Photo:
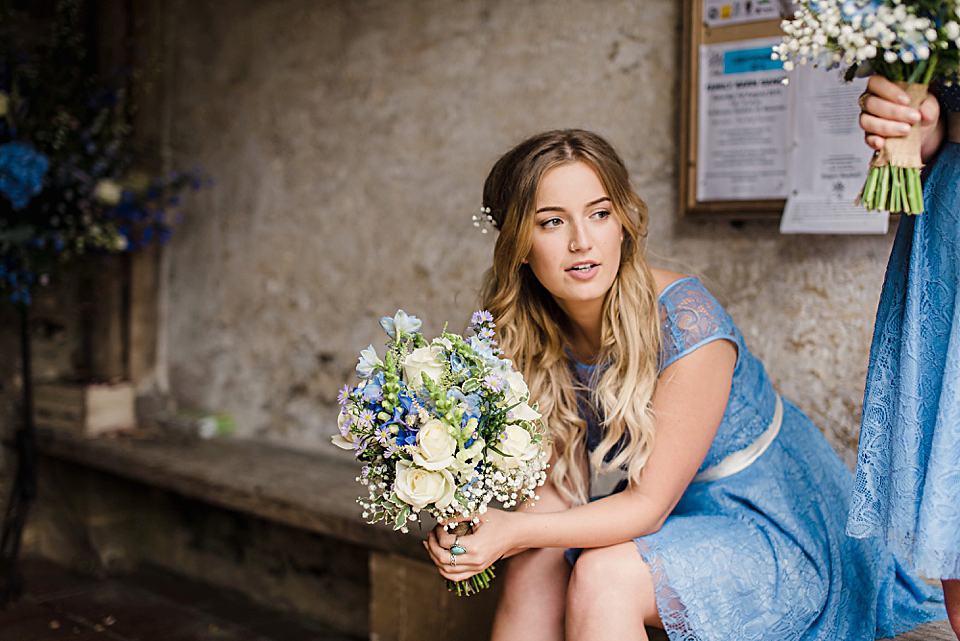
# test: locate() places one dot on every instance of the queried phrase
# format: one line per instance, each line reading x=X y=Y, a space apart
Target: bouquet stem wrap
x=893 y=183
x=475 y=583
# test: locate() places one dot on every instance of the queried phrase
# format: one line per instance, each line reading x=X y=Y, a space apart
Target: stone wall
x=349 y=140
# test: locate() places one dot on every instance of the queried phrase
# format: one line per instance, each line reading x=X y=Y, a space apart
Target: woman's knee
x=611 y=577
x=535 y=572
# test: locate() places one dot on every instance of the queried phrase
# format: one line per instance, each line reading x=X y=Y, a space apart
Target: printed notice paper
x=723 y=12
x=744 y=134
x=828 y=158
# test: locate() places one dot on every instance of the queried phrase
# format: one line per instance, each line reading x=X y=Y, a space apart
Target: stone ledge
x=305 y=490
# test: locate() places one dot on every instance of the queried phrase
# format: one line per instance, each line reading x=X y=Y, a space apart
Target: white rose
x=524 y=412
x=423 y=360
x=516 y=446
x=435 y=447
x=420 y=488
x=343 y=439
x=517 y=394
x=516 y=391
x=341 y=442
x=108 y=192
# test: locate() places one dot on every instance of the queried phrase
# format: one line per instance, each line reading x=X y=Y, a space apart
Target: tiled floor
x=148 y=605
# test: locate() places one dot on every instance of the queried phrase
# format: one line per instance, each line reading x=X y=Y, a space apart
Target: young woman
x=730 y=524
x=908 y=462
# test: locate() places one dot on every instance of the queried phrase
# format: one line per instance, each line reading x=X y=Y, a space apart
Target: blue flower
x=400 y=324
x=22 y=170
x=369 y=361
x=374 y=388
x=471 y=402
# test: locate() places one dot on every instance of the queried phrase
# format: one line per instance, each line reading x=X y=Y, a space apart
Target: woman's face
x=575 y=251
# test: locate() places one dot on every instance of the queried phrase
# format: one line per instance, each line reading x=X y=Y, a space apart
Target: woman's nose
x=579 y=238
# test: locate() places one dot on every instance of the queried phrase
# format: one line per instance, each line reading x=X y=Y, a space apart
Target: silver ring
x=453 y=559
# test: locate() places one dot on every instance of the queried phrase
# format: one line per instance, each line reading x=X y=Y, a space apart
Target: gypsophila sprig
x=443 y=427
x=911 y=42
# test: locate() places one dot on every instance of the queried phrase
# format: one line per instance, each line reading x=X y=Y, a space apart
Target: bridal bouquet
x=443 y=427
x=910 y=42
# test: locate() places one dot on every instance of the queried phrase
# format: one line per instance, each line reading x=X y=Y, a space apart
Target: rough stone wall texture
x=349 y=140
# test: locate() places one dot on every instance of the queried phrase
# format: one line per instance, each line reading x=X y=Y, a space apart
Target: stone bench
x=139 y=500
x=131 y=500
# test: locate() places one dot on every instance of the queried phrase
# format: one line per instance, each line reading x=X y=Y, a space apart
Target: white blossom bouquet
x=443 y=427
x=910 y=42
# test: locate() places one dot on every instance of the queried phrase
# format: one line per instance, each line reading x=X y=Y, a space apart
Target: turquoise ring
x=456 y=549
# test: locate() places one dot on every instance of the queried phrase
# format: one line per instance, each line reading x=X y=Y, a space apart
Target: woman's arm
x=689 y=403
x=887 y=114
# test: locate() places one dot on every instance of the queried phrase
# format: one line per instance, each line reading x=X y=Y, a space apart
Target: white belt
x=741 y=459
x=953 y=126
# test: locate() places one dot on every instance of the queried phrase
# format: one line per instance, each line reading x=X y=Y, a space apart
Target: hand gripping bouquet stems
x=910 y=42
x=443 y=427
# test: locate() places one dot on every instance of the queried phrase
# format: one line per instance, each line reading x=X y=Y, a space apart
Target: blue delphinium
x=22 y=170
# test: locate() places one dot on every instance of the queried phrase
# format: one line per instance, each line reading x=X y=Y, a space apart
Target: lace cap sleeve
x=691 y=317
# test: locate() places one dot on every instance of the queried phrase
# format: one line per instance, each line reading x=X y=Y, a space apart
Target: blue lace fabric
x=761 y=555
x=908 y=460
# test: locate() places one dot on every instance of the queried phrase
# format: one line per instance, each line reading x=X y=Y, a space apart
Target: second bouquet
x=444 y=427
x=910 y=42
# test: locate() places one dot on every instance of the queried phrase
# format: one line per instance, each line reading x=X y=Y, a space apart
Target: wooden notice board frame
x=695 y=33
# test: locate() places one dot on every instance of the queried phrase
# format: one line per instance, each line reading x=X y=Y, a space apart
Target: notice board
x=735 y=116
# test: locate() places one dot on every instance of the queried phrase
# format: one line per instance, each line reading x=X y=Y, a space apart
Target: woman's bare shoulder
x=664 y=277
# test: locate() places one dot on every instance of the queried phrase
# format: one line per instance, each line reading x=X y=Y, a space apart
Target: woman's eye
x=603 y=213
x=550 y=222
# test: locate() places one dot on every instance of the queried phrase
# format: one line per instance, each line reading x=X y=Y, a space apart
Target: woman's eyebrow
x=589 y=204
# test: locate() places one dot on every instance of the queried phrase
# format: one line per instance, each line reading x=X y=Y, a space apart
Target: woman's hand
x=489 y=541
x=886 y=113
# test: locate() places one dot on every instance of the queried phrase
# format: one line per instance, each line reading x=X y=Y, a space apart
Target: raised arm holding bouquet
x=910 y=43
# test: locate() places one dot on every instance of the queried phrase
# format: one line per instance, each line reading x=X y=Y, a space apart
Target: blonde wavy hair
x=530 y=323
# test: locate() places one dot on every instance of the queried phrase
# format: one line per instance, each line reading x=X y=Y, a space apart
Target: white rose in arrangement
x=420 y=488
x=435 y=447
x=340 y=439
x=423 y=360
x=517 y=446
x=517 y=392
x=108 y=192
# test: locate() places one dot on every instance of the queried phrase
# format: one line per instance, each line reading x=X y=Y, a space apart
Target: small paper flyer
x=829 y=160
x=744 y=113
x=718 y=13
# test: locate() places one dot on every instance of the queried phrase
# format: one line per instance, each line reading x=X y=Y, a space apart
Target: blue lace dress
x=761 y=554
x=908 y=462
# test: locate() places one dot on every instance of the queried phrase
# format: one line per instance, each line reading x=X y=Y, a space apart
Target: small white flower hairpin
x=484 y=219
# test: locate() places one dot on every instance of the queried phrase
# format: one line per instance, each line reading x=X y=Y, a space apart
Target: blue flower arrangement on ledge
x=67 y=183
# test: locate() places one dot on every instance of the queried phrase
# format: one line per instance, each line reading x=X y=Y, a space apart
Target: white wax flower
x=435 y=447
x=423 y=360
x=420 y=488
